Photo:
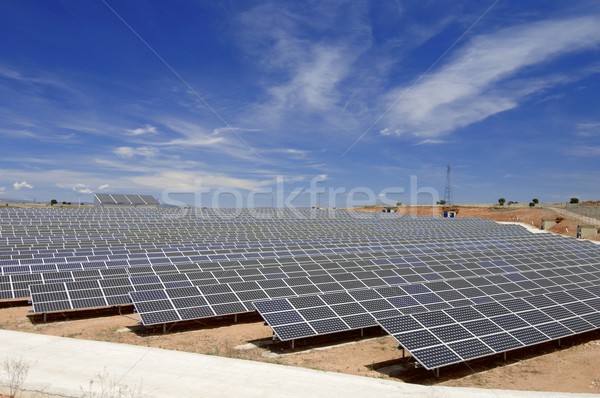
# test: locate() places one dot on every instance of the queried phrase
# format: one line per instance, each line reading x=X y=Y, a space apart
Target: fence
x=585 y=214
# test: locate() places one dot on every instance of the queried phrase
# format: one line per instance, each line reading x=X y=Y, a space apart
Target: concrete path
x=64 y=366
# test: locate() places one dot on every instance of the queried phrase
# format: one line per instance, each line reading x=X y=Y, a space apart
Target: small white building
x=547 y=224
x=586 y=231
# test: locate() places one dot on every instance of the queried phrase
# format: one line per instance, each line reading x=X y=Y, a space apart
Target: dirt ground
x=572 y=366
x=526 y=215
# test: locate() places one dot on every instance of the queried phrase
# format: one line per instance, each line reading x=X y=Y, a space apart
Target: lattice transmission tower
x=448 y=191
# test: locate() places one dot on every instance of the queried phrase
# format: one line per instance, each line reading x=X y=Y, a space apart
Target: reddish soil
x=530 y=216
x=571 y=367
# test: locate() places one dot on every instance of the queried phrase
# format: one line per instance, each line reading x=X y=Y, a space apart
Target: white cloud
x=388 y=131
x=103 y=187
x=82 y=188
x=475 y=83
x=225 y=139
x=430 y=141
x=193 y=135
x=2 y=189
x=305 y=79
x=129 y=152
x=292 y=152
x=189 y=181
x=223 y=130
x=23 y=184
x=314 y=81
x=143 y=130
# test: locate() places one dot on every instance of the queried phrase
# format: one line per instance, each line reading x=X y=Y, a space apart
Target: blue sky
x=245 y=96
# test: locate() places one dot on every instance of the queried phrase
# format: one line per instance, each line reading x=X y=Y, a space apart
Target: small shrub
x=16 y=372
x=103 y=386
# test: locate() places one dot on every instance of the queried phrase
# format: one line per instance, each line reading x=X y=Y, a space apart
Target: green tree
x=531 y=204
x=441 y=202
x=574 y=200
x=398 y=203
x=501 y=201
x=53 y=202
x=535 y=201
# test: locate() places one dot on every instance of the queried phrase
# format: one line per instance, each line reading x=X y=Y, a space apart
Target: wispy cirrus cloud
x=190 y=135
x=587 y=129
x=303 y=78
x=191 y=181
x=476 y=83
x=32 y=78
x=128 y=152
x=312 y=85
x=584 y=151
x=431 y=141
x=289 y=152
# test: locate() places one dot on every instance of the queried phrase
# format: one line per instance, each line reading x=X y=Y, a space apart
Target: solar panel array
x=122 y=199
x=307 y=272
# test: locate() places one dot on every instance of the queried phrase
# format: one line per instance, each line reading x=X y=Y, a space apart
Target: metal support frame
x=405 y=359
x=293 y=341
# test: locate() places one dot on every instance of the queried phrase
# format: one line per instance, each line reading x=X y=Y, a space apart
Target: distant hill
x=7 y=200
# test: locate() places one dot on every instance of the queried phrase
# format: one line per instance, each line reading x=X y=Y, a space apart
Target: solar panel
x=105 y=198
x=473 y=336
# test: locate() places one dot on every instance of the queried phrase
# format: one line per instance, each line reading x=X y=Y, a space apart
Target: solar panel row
x=362 y=308
x=189 y=254
x=115 y=199
x=445 y=337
